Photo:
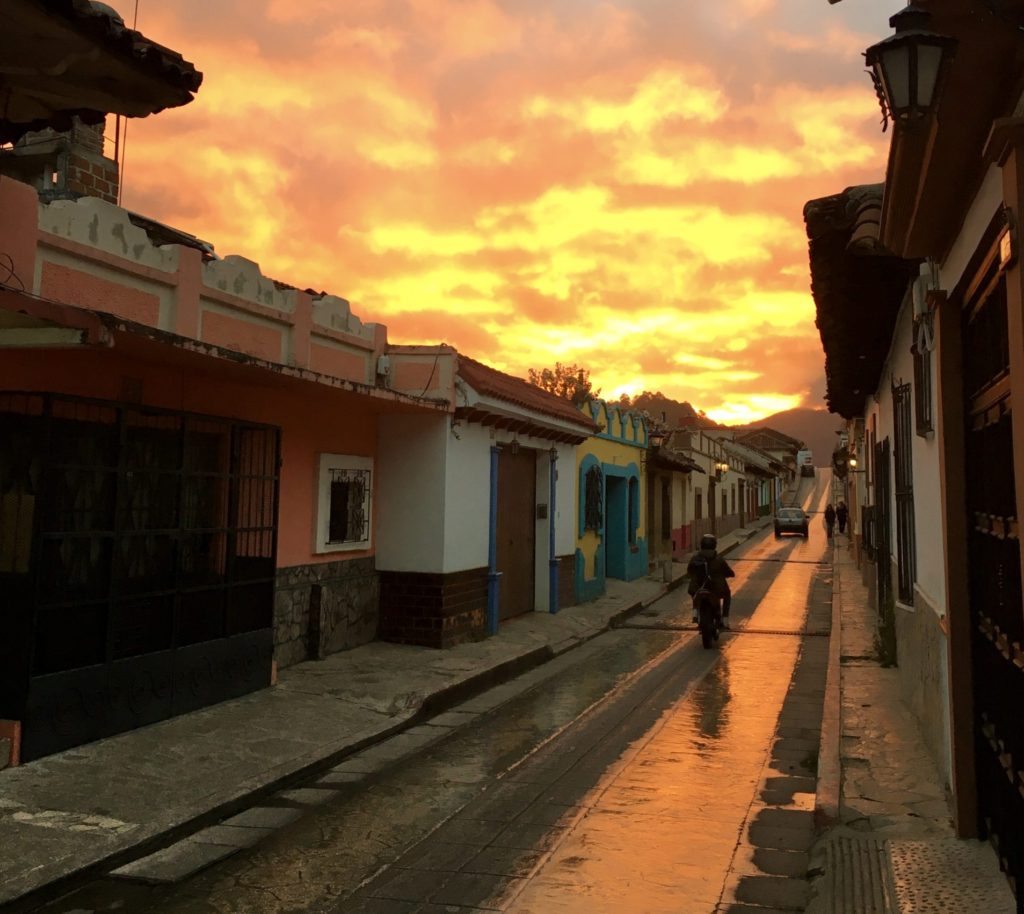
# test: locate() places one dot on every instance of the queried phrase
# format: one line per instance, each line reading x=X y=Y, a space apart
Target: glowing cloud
x=620 y=188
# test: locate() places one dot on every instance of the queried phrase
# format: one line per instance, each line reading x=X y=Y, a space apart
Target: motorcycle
x=709 y=614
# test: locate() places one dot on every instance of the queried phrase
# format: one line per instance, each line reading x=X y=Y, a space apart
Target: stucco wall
x=609 y=455
x=411 y=502
x=466 y=487
x=89 y=254
x=312 y=421
x=984 y=206
x=920 y=641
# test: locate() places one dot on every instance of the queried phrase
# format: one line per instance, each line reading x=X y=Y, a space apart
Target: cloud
x=617 y=184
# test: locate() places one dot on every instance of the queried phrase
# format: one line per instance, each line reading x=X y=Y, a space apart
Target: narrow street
x=637 y=773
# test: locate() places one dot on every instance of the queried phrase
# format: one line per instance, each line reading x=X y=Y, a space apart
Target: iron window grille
x=906 y=547
x=344 y=496
x=150 y=529
x=349 y=511
x=923 y=396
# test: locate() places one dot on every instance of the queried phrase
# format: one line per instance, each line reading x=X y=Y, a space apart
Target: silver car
x=790 y=520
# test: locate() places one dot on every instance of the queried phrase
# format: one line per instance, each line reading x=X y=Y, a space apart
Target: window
x=592 y=499
x=922 y=352
x=698 y=504
x=725 y=503
x=733 y=490
x=906 y=549
x=343 y=503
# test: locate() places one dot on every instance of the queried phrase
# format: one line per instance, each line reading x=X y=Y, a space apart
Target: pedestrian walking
x=830 y=520
x=842 y=512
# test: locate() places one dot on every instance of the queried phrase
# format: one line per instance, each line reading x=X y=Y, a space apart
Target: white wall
x=410 y=497
x=467 y=487
x=979 y=215
x=566 y=492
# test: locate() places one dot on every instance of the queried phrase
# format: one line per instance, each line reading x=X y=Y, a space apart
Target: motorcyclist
x=708 y=565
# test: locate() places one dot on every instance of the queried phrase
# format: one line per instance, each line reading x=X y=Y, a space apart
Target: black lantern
x=656 y=439
x=907 y=67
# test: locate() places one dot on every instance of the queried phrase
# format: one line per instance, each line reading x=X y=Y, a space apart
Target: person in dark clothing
x=830 y=520
x=708 y=565
x=842 y=512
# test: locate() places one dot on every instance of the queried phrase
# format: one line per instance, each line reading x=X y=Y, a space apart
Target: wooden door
x=516 y=533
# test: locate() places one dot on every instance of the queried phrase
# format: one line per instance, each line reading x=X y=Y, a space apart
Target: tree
x=567 y=381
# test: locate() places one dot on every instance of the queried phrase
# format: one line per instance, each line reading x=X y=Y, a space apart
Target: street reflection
x=710 y=708
x=661 y=830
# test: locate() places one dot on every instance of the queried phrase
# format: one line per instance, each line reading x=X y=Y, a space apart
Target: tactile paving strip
x=945 y=874
x=859 y=878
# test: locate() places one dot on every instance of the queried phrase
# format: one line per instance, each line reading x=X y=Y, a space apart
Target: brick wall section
x=433 y=610
x=324 y=608
x=566 y=581
x=92 y=174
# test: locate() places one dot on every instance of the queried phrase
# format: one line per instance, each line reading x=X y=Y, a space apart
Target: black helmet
x=709 y=541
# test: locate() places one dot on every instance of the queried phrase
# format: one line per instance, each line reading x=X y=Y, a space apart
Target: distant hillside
x=666 y=410
x=815 y=427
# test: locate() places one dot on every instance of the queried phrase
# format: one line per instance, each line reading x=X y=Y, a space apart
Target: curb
x=829 y=790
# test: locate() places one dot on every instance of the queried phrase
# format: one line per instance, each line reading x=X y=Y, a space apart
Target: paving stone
x=308 y=796
x=527 y=836
x=454 y=718
x=503 y=861
x=367 y=904
x=789 y=839
x=231 y=835
x=408 y=884
x=468 y=831
x=264 y=817
x=770 y=891
x=551 y=814
x=434 y=855
x=475 y=890
x=174 y=863
x=338 y=780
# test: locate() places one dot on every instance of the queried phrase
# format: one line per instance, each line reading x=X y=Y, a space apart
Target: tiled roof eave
x=857 y=289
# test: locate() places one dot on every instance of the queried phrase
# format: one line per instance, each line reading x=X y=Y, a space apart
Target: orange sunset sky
x=617 y=184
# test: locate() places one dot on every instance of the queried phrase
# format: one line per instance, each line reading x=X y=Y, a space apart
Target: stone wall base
x=921 y=646
x=323 y=608
x=433 y=610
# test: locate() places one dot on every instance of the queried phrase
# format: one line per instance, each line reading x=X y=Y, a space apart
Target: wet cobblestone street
x=636 y=773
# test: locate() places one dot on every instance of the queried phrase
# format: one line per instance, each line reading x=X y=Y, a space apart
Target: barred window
x=922 y=352
x=344 y=500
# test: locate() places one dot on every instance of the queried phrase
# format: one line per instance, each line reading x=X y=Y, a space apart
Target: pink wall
x=19 y=221
x=65 y=284
x=242 y=335
x=312 y=419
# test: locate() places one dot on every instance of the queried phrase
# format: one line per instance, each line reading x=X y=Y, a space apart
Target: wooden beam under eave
x=43 y=338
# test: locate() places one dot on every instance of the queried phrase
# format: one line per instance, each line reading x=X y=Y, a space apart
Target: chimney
x=64 y=165
x=89 y=173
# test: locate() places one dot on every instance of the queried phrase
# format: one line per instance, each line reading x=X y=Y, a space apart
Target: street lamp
x=656 y=439
x=906 y=67
x=721 y=468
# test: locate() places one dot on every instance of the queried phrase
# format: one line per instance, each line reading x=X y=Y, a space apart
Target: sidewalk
x=889 y=847
x=71 y=816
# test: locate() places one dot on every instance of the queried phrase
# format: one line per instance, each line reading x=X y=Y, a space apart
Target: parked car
x=791 y=520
